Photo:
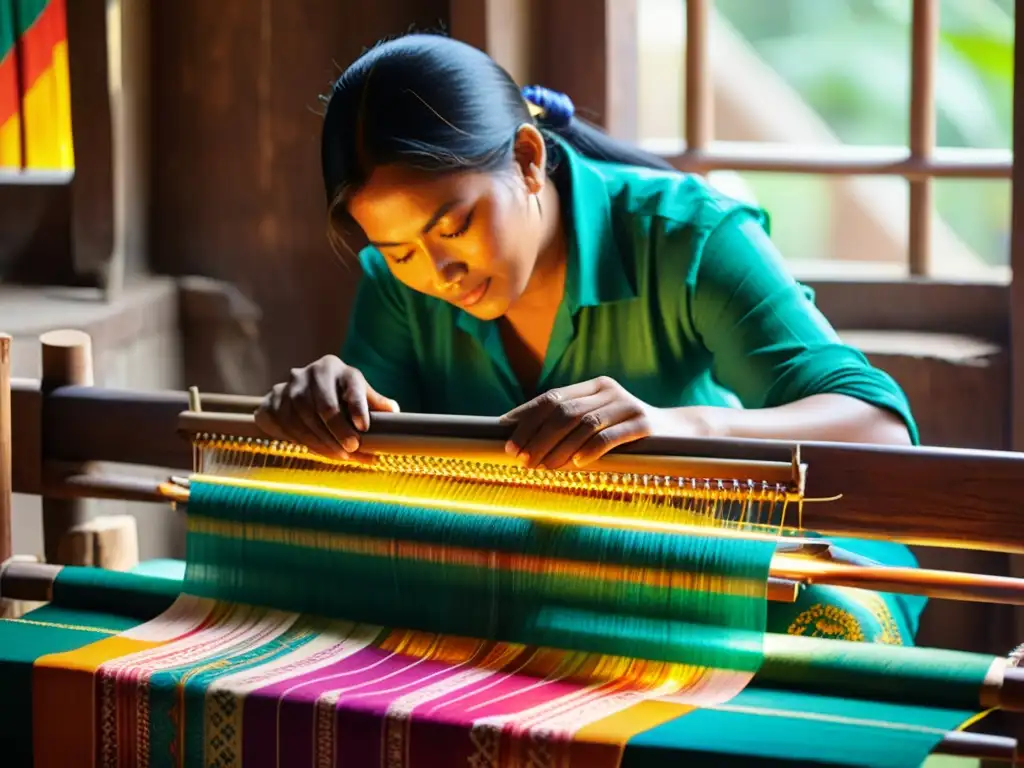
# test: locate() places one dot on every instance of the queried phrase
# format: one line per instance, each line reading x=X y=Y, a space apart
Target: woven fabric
x=217 y=684
x=313 y=630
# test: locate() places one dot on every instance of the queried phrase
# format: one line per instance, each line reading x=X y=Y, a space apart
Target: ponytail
x=556 y=113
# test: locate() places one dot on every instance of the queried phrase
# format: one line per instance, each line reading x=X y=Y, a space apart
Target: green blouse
x=672 y=289
x=677 y=292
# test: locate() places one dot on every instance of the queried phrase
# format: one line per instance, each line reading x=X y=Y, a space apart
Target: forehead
x=395 y=199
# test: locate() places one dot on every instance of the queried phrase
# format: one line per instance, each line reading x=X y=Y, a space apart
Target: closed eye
x=462 y=230
x=403 y=259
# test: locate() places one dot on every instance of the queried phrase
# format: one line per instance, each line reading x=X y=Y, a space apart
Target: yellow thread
x=232 y=452
x=56 y=625
x=691 y=527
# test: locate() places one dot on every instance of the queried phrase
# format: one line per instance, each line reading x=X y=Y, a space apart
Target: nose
x=448 y=273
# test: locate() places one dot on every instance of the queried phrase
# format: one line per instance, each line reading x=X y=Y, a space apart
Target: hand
x=324 y=406
x=579 y=423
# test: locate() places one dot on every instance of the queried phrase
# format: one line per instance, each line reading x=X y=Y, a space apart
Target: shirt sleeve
x=769 y=343
x=379 y=341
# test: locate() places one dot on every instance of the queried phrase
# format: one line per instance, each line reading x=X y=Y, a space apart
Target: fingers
x=378 y=402
x=575 y=424
x=299 y=413
x=265 y=415
x=541 y=429
x=596 y=433
x=324 y=406
x=599 y=443
x=551 y=397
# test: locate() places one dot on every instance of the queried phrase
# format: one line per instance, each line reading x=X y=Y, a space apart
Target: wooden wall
x=236 y=192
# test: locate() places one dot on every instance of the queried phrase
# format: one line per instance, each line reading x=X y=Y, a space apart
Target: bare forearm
x=828 y=418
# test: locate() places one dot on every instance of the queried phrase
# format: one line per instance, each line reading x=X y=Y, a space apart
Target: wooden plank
x=588 y=50
x=1017 y=250
x=26 y=436
x=6 y=485
x=84 y=424
x=229 y=63
x=1017 y=292
x=93 y=187
x=502 y=28
x=924 y=305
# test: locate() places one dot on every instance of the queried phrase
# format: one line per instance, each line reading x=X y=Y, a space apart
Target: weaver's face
x=468 y=238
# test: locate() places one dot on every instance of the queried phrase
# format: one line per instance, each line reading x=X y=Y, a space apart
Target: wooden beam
x=1017 y=251
x=924 y=61
x=92 y=190
x=501 y=28
x=945 y=163
x=588 y=49
x=6 y=484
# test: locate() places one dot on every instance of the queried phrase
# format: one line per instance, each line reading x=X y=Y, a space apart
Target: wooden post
x=6 y=483
x=66 y=360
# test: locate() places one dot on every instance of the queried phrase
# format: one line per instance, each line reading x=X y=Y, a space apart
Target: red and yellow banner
x=35 y=93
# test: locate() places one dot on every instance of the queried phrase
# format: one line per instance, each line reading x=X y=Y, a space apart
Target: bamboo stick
x=947 y=585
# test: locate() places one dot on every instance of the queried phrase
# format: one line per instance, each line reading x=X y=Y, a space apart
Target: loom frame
x=62 y=430
x=969 y=494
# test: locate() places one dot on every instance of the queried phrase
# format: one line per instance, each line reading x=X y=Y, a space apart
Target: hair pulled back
x=427 y=102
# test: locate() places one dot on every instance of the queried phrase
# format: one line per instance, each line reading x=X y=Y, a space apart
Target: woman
x=580 y=288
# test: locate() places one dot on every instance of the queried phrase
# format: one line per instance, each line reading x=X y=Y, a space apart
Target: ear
x=531 y=157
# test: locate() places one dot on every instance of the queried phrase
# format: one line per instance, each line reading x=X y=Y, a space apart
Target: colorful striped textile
x=35 y=94
x=88 y=680
x=314 y=628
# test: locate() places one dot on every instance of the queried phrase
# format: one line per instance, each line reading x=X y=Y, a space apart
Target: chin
x=488 y=310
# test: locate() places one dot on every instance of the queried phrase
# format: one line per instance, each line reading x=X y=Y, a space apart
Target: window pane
x=661 y=70
x=974 y=79
x=977 y=213
x=858 y=226
x=784 y=71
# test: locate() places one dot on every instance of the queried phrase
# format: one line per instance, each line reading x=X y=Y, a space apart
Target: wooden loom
x=62 y=426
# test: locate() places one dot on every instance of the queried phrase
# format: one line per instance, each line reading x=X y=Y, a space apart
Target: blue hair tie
x=557 y=108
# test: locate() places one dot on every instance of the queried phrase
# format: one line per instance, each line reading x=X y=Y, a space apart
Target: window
x=888 y=155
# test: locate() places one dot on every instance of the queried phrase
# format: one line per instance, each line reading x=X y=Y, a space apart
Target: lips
x=474 y=296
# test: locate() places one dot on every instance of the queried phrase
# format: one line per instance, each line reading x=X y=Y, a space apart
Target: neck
x=548 y=276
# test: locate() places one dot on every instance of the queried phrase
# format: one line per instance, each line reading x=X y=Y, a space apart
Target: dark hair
x=429 y=102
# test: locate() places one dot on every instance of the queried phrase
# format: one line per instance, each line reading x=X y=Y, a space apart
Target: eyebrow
x=438 y=215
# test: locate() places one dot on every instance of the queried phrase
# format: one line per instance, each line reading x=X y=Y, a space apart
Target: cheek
x=509 y=240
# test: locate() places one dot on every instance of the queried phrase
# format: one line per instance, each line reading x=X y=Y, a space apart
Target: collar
x=597 y=271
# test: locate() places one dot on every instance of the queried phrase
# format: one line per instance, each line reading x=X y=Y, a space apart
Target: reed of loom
x=71 y=411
